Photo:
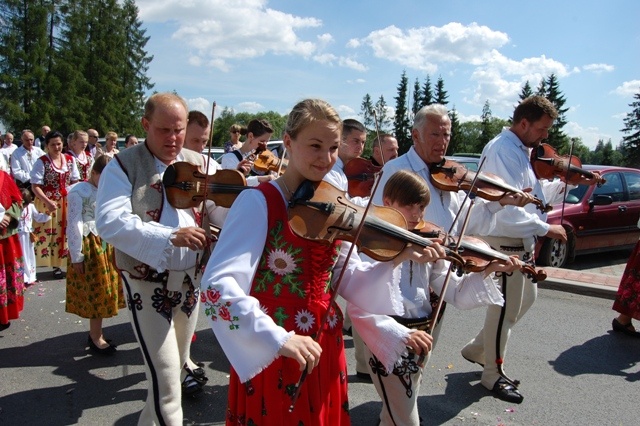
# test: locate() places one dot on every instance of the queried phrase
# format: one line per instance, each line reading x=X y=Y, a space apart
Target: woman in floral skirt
x=51 y=177
x=94 y=289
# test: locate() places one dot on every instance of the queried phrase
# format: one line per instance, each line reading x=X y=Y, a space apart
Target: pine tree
x=366 y=108
x=427 y=93
x=23 y=62
x=526 y=91
x=557 y=138
x=382 y=115
x=631 y=140
x=542 y=88
x=401 y=125
x=441 y=94
x=454 y=142
x=417 y=97
x=134 y=78
x=485 y=133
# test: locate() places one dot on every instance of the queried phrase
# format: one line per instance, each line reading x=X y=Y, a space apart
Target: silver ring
x=307 y=356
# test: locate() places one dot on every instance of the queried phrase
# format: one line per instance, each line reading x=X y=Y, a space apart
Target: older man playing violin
x=156 y=249
x=508 y=156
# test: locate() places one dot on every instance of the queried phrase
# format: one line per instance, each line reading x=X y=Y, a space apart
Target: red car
x=597 y=218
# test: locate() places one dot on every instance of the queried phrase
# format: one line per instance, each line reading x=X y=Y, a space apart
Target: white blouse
x=81 y=213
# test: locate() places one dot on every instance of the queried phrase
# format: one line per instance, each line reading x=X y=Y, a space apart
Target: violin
x=360 y=174
x=477 y=253
x=320 y=211
x=547 y=164
x=267 y=161
x=185 y=185
x=451 y=176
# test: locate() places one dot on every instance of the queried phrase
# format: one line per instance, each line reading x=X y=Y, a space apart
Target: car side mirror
x=600 y=200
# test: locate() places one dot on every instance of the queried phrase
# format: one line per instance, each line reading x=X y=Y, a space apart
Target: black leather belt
x=413 y=323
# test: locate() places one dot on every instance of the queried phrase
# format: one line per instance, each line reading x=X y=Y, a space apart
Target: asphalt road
x=574 y=371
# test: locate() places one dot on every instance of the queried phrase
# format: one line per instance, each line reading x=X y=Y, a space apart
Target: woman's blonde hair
x=308 y=111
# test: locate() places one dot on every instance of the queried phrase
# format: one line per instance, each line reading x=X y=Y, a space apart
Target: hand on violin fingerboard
x=421 y=255
x=518 y=199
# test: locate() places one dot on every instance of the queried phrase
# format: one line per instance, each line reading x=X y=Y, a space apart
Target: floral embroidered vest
x=55 y=182
x=84 y=168
x=147 y=195
x=293 y=278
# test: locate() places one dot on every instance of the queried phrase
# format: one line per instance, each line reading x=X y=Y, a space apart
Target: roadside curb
x=577 y=287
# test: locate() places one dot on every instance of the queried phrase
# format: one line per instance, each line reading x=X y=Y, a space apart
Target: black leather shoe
x=506 y=391
x=365 y=377
x=191 y=386
x=627 y=329
x=109 y=350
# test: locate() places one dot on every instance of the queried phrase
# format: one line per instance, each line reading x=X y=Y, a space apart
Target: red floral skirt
x=11 y=279
x=628 y=298
x=265 y=399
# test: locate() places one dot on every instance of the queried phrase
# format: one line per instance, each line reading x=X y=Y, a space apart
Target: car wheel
x=554 y=253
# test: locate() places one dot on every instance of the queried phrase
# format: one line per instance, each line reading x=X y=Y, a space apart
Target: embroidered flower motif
x=213 y=295
x=304 y=320
x=281 y=262
x=332 y=321
x=224 y=313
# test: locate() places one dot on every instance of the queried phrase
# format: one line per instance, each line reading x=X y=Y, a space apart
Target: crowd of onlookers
x=48 y=186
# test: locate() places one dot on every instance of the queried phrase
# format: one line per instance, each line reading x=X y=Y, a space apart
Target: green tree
x=382 y=115
x=23 y=63
x=427 y=93
x=455 y=132
x=526 y=91
x=557 y=138
x=631 y=140
x=401 y=125
x=468 y=136
x=441 y=94
x=366 y=108
x=417 y=97
x=485 y=133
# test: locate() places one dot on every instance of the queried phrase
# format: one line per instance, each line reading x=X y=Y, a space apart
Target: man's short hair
x=349 y=125
x=434 y=110
x=533 y=109
x=165 y=98
x=199 y=118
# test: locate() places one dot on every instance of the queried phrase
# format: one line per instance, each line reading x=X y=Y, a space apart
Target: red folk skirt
x=628 y=298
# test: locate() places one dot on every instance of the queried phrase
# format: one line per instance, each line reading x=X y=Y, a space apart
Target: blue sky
x=258 y=55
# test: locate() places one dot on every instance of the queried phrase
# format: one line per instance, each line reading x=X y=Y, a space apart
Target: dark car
x=597 y=218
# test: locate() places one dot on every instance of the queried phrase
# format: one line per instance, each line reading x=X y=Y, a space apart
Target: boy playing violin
x=394 y=343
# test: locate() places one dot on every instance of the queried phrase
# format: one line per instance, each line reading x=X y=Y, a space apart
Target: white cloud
x=628 y=88
x=325 y=58
x=342 y=61
x=357 y=81
x=250 y=106
x=598 y=68
x=225 y=30
x=423 y=48
x=589 y=135
x=199 y=104
x=353 y=43
x=351 y=63
x=346 y=112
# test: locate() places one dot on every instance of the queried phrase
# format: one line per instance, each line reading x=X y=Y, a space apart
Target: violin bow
x=436 y=313
x=203 y=210
x=334 y=293
x=566 y=182
x=375 y=122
